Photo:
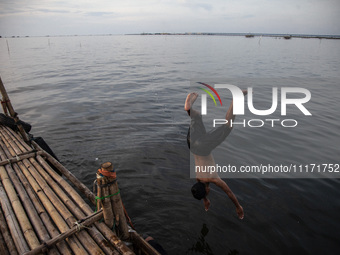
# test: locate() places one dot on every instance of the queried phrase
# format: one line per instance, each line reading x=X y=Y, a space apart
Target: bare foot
x=189 y=101
x=240 y=213
x=206 y=202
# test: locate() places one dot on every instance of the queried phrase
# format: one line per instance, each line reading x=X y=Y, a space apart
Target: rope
x=127 y=217
x=110 y=174
x=100 y=198
x=107 y=184
x=80 y=226
x=5 y=101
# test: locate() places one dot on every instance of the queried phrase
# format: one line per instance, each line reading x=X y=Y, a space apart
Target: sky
x=91 y=17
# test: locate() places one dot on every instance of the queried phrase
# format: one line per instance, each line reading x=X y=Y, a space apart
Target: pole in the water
x=14 y=115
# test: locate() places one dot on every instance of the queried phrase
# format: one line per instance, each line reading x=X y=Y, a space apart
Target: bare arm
x=221 y=184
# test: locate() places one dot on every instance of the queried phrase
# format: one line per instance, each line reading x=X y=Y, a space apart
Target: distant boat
x=249 y=35
x=287 y=37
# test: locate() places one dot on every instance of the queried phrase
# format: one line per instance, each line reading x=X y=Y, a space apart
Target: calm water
x=120 y=99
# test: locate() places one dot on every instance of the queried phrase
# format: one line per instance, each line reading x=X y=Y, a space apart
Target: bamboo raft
x=41 y=211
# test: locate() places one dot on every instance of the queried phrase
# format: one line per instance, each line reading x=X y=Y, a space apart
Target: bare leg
x=189 y=101
x=230 y=115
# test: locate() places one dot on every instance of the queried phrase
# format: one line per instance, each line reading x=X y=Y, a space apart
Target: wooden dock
x=42 y=211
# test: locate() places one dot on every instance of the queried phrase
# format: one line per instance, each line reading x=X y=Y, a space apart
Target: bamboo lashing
x=19 y=158
x=67 y=201
x=78 y=226
x=103 y=228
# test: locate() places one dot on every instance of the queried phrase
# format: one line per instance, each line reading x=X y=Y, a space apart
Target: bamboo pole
x=19 y=211
x=89 y=221
x=103 y=192
x=102 y=227
x=21 y=143
x=3 y=247
x=77 y=212
x=79 y=202
x=13 y=225
x=137 y=239
x=62 y=246
x=9 y=247
x=118 y=210
x=30 y=209
x=87 y=242
x=28 y=205
x=142 y=245
x=18 y=158
x=18 y=138
x=84 y=237
x=99 y=204
x=58 y=220
x=119 y=245
x=107 y=182
x=85 y=207
x=67 y=174
x=7 y=102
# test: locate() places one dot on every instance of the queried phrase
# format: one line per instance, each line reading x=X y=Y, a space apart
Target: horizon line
x=249 y=34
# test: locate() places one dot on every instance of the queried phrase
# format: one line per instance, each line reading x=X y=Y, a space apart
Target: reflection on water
x=203 y=247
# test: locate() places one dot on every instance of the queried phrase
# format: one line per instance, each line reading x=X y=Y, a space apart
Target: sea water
x=120 y=99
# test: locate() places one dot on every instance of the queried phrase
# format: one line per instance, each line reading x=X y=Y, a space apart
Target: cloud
x=99 y=14
x=52 y=11
x=197 y=6
x=135 y=16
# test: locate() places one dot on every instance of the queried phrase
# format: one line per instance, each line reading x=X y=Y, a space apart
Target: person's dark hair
x=198 y=190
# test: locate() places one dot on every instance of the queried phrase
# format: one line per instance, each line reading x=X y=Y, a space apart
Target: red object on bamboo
x=107 y=170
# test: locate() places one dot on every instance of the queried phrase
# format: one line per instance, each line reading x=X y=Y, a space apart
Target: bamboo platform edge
x=48 y=214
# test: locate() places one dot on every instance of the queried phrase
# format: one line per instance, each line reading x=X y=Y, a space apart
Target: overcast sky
x=83 y=17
